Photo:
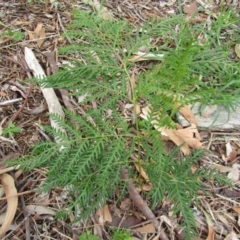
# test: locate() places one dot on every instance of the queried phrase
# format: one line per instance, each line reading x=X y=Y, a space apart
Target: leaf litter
x=42 y=38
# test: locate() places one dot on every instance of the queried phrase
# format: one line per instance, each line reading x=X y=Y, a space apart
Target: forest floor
x=39 y=26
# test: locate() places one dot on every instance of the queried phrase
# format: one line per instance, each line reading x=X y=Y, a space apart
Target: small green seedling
x=121 y=234
x=14 y=35
x=88 y=236
x=10 y=130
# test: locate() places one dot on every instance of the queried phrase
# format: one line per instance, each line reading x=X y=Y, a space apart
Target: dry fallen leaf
x=141 y=171
x=210 y=233
x=231 y=153
x=125 y=204
x=237 y=50
x=191 y=9
x=149 y=228
x=39 y=32
x=188 y=114
x=237 y=209
x=103 y=215
x=12 y=201
x=3 y=94
x=210 y=226
x=173 y=136
x=191 y=136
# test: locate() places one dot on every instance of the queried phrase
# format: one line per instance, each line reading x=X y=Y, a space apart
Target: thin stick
x=21 y=108
x=142 y=206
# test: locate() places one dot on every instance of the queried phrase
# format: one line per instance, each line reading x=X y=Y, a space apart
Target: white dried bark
x=52 y=101
x=215 y=118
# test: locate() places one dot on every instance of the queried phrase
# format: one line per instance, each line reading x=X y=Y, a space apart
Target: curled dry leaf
x=39 y=32
x=12 y=201
x=173 y=136
x=230 y=152
x=237 y=209
x=103 y=215
x=146 y=187
x=15 y=89
x=4 y=170
x=125 y=204
x=210 y=226
x=188 y=114
x=191 y=136
x=3 y=94
x=141 y=171
x=191 y=9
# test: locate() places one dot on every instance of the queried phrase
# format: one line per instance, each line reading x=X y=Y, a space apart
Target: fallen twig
x=142 y=206
x=21 y=108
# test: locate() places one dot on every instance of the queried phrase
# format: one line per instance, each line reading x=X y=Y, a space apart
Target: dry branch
x=142 y=206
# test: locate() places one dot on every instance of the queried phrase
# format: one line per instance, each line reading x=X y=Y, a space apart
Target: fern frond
x=89 y=156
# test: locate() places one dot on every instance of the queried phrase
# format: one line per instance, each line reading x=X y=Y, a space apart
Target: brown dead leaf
x=3 y=94
x=39 y=32
x=236 y=209
x=232 y=156
x=146 y=187
x=125 y=204
x=191 y=9
x=103 y=215
x=230 y=152
x=149 y=228
x=188 y=115
x=191 y=136
x=210 y=224
x=173 y=136
x=210 y=233
x=12 y=201
x=141 y=171
x=131 y=84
